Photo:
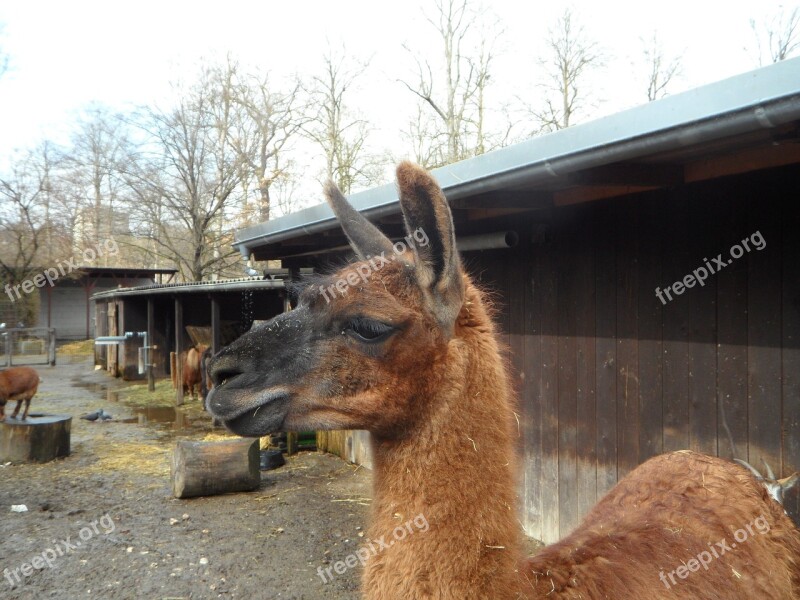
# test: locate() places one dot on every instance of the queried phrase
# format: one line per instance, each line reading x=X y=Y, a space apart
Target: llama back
x=682 y=525
x=16 y=382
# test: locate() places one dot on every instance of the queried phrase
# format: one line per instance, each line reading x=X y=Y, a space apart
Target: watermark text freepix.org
x=373 y=547
x=59 y=549
x=715 y=550
x=62 y=269
x=700 y=274
x=363 y=271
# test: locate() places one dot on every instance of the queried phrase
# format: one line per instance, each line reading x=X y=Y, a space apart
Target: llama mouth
x=261 y=421
x=249 y=414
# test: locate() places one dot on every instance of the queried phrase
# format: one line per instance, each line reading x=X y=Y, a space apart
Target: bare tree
x=185 y=176
x=460 y=108
x=777 y=37
x=335 y=129
x=3 y=56
x=266 y=121
x=23 y=229
x=660 y=69
x=99 y=148
x=428 y=143
x=571 y=55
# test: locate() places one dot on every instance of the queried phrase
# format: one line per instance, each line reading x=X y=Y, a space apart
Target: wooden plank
x=518 y=263
x=606 y=349
x=627 y=217
x=651 y=226
x=704 y=244
x=565 y=259
x=630 y=173
x=586 y=490
x=548 y=392
x=530 y=399
x=750 y=159
x=580 y=194
x=500 y=284
x=675 y=360
x=764 y=269
x=790 y=343
x=531 y=200
x=732 y=333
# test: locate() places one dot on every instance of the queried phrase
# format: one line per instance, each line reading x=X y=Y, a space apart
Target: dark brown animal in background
x=411 y=354
x=20 y=384
x=192 y=371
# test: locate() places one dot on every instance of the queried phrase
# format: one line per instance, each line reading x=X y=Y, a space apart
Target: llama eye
x=368 y=330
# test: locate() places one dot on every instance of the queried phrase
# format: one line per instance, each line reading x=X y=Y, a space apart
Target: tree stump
x=39 y=438
x=210 y=468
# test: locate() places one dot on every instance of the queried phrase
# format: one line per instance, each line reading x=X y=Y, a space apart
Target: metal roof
x=755 y=101
x=224 y=285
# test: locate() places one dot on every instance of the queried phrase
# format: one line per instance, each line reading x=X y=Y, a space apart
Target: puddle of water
x=175 y=420
x=161 y=416
x=87 y=385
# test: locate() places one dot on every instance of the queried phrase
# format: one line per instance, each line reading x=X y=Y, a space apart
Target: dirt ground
x=107 y=524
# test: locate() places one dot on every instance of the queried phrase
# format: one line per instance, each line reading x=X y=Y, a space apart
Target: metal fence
x=27 y=346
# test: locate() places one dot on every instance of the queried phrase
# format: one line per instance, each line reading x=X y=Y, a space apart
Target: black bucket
x=271 y=459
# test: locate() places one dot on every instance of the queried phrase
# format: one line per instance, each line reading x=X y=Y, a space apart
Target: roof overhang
x=747 y=122
x=198 y=287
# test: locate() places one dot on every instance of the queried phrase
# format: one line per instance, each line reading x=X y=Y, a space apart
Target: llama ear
x=788 y=483
x=366 y=239
x=429 y=224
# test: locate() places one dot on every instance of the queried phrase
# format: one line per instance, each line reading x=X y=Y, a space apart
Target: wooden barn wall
x=608 y=376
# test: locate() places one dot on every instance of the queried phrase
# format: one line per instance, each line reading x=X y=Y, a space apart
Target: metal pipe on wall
x=488 y=241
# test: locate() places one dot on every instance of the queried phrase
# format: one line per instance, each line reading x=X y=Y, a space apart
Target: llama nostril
x=223 y=368
x=221 y=377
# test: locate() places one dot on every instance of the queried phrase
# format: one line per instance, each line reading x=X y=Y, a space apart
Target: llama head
x=361 y=348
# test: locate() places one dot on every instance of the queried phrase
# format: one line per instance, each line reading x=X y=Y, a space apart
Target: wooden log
x=210 y=468
x=39 y=438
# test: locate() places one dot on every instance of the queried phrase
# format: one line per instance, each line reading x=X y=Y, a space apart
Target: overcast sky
x=67 y=54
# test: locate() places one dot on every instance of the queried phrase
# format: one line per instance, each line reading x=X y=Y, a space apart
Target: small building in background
x=178 y=316
x=68 y=306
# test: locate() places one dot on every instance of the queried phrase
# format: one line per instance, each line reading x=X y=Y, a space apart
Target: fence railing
x=27 y=346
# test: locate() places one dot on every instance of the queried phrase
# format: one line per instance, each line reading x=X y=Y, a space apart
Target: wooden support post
x=322 y=441
x=151 y=380
x=291 y=443
x=9 y=347
x=209 y=468
x=178 y=350
x=173 y=369
x=216 y=328
x=51 y=351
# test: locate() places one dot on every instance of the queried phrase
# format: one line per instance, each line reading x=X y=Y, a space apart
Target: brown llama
x=192 y=371
x=20 y=384
x=402 y=343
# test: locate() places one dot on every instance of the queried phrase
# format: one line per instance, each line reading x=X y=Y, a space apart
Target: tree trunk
x=39 y=438
x=210 y=468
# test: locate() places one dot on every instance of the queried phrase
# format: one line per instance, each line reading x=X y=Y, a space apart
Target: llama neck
x=450 y=485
